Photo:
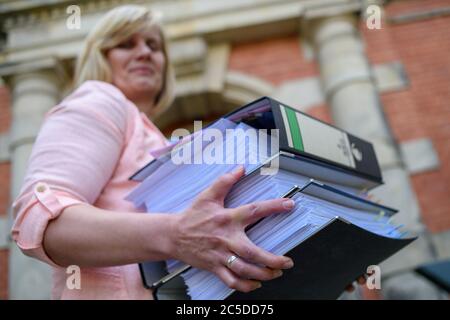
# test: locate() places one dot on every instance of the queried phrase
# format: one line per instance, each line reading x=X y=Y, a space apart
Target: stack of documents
x=180 y=182
x=327 y=214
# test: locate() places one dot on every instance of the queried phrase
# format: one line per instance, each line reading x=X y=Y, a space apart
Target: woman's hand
x=361 y=281
x=206 y=235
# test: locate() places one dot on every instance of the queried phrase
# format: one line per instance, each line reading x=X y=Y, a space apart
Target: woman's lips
x=142 y=70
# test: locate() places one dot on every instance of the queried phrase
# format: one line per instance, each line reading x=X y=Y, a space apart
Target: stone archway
x=207 y=106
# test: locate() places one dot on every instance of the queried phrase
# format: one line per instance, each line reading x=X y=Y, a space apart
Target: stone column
x=33 y=94
x=351 y=93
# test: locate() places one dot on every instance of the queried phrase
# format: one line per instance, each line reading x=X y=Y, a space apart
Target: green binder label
x=309 y=135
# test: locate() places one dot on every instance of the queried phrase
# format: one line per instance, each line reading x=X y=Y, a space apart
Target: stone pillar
x=351 y=93
x=33 y=94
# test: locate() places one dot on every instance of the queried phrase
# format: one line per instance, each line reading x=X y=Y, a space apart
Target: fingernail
x=258 y=285
x=288 y=264
x=277 y=273
x=288 y=204
x=238 y=169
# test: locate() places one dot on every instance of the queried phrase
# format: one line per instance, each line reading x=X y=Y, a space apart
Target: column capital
x=323 y=28
x=35 y=88
x=43 y=66
x=319 y=29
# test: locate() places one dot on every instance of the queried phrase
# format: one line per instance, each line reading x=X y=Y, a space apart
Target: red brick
x=274 y=60
x=4 y=186
x=5 y=110
x=419 y=111
x=5 y=120
x=422 y=109
x=321 y=112
x=414 y=6
x=4 y=274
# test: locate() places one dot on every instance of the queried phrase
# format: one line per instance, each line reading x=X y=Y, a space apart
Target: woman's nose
x=143 y=49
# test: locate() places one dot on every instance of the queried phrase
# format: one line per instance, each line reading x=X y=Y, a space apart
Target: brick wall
x=4 y=274
x=5 y=120
x=423 y=109
x=274 y=60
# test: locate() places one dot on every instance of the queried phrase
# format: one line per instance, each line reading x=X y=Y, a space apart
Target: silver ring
x=230 y=260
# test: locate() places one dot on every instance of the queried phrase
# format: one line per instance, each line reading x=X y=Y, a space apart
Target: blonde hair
x=116 y=26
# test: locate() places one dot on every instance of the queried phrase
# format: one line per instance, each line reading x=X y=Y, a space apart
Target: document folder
x=309 y=137
x=327 y=262
x=317 y=143
x=324 y=264
x=330 y=168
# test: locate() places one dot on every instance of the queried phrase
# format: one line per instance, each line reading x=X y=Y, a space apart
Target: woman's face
x=137 y=66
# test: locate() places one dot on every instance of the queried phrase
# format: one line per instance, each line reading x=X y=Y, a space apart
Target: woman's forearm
x=91 y=237
x=204 y=236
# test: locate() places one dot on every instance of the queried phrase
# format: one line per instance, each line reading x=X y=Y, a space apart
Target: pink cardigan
x=87 y=148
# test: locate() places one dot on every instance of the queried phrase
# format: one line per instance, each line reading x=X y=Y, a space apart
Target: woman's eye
x=126 y=45
x=155 y=46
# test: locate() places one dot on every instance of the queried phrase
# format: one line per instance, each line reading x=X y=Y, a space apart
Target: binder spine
x=306 y=136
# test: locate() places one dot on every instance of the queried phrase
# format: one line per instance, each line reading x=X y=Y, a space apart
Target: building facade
x=378 y=69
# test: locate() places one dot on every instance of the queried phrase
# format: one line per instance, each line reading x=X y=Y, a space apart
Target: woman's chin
x=144 y=86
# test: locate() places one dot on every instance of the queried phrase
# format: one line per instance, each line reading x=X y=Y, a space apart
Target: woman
x=71 y=211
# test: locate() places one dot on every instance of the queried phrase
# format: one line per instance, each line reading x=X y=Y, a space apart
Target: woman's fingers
x=234 y=282
x=246 y=270
x=362 y=280
x=253 y=212
x=256 y=255
x=220 y=188
x=254 y=264
x=350 y=288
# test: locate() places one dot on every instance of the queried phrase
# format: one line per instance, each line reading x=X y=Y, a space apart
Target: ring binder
x=310 y=187
x=156 y=285
x=333 y=228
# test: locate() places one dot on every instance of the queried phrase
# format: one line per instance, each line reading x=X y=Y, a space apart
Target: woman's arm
x=91 y=237
x=204 y=236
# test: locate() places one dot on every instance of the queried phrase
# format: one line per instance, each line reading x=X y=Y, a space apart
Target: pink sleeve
x=73 y=158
